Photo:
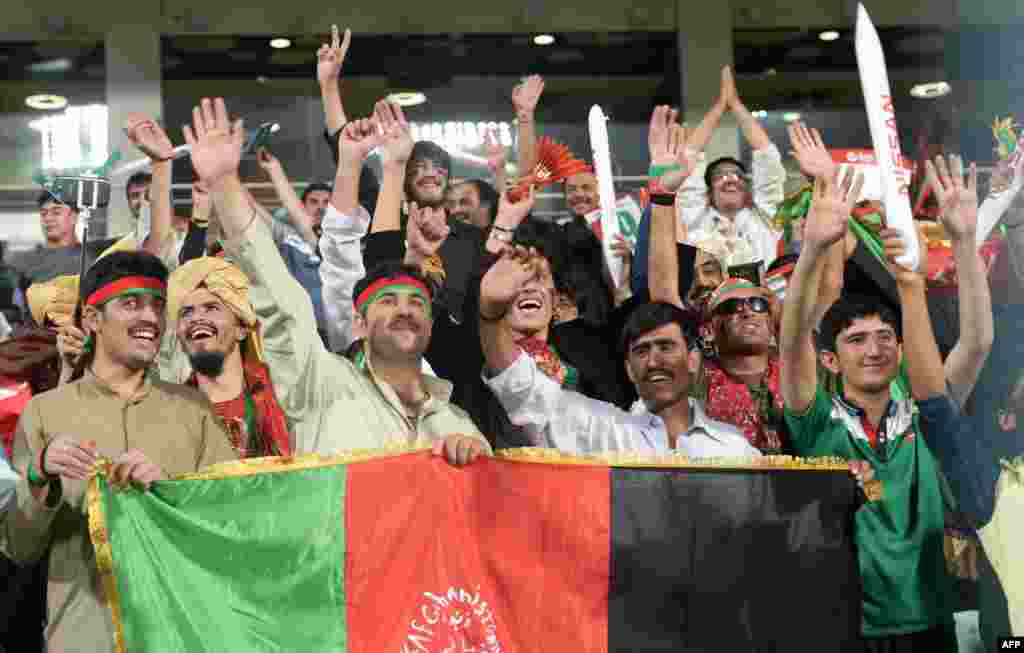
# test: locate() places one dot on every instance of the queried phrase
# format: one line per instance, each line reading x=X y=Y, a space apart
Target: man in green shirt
x=907 y=594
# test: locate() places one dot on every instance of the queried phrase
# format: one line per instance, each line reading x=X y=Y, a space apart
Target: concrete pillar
x=705 y=45
x=133 y=85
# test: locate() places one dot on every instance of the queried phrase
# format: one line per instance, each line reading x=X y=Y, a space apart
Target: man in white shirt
x=658 y=347
x=721 y=206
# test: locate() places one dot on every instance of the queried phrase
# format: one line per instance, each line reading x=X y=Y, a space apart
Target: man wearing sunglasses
x=740 y=382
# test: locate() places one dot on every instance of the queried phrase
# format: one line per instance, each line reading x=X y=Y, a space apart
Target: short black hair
x=710 y=171
x=119 y=265
x=390 y=270
x=654 y=315
x=314 y=187
x=138 y=179
x=849 y=308
x=48 y=196
x=488 y=196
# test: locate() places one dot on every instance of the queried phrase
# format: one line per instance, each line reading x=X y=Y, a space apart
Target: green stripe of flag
x=212 y=564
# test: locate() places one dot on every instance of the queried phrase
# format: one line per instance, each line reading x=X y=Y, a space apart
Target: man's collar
x=101 y=387
x=438 y=389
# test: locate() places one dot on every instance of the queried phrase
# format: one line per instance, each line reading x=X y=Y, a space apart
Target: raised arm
x=826 y=225
x=297 y=214
x=752 y=130
x=343 y=227
x=701 y=136
x=958 y=204
x=510 y=216
x=670 y=166
x=496 y=159
x=328 y=74
x=815 y=162
x=524 y=98
x=920 y=351
x=306 y=375
x=149 y=137
x=396 y=149
x=499 y=287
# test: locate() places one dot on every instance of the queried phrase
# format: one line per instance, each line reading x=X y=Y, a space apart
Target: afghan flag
x=531 y=551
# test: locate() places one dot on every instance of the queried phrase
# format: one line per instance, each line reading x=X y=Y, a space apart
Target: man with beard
x=217 y=328
x=718 y=203
x=331 y=403
x=419 y=172
x=115 y=411
x=908 y=596
x=473 y=202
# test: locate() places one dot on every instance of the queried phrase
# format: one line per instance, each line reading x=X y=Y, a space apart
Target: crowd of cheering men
x=405 y=308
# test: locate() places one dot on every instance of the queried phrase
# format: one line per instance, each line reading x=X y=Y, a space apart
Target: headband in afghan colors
x=133 y=285
x=381 y=286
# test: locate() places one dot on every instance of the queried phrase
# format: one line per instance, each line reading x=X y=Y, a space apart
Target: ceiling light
x=543 y=39
x=280 y=43
x=760 y=113
x=407 y=98
x=931 y=90
x=50 y=66
x=46 y=102
x=791 y=116
x=829 y=35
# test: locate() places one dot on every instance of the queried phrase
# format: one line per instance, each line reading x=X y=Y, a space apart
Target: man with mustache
x=718 y=203
x=331 y=403
x=217 y=328
x=116 y=410
x=474 y=202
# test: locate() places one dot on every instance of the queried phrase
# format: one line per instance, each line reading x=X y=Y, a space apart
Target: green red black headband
x=388 y=284
x=134 y=285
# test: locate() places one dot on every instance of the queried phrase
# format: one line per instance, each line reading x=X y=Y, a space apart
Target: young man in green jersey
x=907 y=594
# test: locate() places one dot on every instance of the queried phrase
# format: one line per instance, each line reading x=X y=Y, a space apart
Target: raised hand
x=496 y=155
x=727 y=93
x=358 y=139
x=148 y=137
x=427 y=230
x=511 y=214
x=831 y=205
x=958 y=202
x=666 y=142
x=516 y=267
x=267 y=161
x=216 y=142
x=894 y=246
x=810 y=151
x=397 y=143
x=526 y=94
x=329 y=58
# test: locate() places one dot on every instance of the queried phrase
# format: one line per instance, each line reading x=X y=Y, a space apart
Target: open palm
x=958 y=202
x=148 y=136
x=216 y=141
x=526 y=95
x=830 y=209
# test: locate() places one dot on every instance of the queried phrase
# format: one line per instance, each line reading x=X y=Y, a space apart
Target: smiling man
x=117 y=411
x=908 y=595
x=217 y=328
x=516 y=293
x=62 y=251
